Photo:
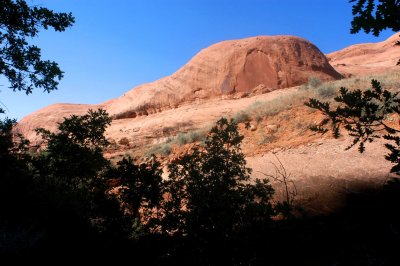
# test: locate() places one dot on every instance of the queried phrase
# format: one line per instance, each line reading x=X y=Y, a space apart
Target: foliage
x=161 y=149
x=210 y=190
x=15 y=178
x=375 y=16
x=364 y=115
x=386 y=16
x=241 y=117
x=326 y=91
x=313 y=82
x=70 y=175
x=11 y=144
x=140 y=189
x=75 y=151
x=20 y=62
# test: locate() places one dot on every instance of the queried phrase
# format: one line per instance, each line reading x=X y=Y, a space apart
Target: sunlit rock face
x=229 y=69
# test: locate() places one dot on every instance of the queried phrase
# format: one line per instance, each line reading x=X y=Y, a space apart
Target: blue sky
x=116 y=45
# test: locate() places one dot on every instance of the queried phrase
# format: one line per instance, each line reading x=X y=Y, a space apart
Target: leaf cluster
x=375 y=16
x=141 y=189
x=21 y=62
x=210 y=189
x=363 y=114
x=76 y=149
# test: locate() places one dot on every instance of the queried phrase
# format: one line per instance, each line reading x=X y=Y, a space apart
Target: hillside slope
x=230 y=69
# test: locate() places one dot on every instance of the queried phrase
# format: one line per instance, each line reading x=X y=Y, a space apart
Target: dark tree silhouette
x=20 y=62
x=76 y=150
x=210 y=189
x=141 y=191
x=364 y=115
x=375 y=16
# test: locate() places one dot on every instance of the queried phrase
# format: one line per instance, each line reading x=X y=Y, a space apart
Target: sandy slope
x=229 y=69
x=212 y=85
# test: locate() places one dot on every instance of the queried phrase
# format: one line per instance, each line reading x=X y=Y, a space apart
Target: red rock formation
x=232 y=69
x=227 y=68
x=368 y=58
x=49 y=116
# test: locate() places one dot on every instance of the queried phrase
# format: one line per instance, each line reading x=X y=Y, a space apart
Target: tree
x=370 y=16
x=141 y=190
x=364 y=115
x=75 y=152
x=15 y=177
x=375 y=16
x=70 y=172
x=20 y=62
x=210 y=189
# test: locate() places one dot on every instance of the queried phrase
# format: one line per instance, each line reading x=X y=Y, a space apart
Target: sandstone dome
x=226 y=68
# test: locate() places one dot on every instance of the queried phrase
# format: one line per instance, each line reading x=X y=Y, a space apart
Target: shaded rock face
x=230 y=69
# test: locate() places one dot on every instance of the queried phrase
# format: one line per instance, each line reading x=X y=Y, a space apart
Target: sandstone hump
x=226 y=70
x=367 y=58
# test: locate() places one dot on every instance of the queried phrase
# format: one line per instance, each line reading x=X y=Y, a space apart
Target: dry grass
x=283 y=105
x=180 y=139
x=323 y=91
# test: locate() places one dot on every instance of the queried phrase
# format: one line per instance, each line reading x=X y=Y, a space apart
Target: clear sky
x=116 y=45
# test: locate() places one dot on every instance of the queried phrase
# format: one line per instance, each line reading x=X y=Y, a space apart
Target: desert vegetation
x=65 y=199
x=55 y=203
x=316 y=89
x=272 y=120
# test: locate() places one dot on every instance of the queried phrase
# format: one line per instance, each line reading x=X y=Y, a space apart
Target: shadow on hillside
x=364 y=231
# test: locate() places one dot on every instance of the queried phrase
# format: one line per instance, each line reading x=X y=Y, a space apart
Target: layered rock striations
x=229 y=69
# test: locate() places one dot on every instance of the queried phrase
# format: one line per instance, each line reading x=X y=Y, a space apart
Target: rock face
x=368 y=58
x=230 y=69
x=49 y=116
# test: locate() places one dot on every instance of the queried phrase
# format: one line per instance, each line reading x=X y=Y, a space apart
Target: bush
x=124 y=141
x=189 y=137
x=326 y=91
x=211 y=192
x=313 y=82
x=241 y=117
x=161 y=149
x=182 y=139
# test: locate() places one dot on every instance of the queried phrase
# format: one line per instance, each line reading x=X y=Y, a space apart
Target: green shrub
x=313 y=82
x=195 y=136
x=160 y=149
x=190 y=137
x=241 y=117
x=213 y=192
x=182 y=139
x=326 y=91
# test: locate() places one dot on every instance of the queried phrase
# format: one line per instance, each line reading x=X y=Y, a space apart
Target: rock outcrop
x=230 y=69
x=367 y=58
x=49 y=116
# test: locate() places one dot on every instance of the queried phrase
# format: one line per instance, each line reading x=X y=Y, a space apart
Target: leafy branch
x=363 y=114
